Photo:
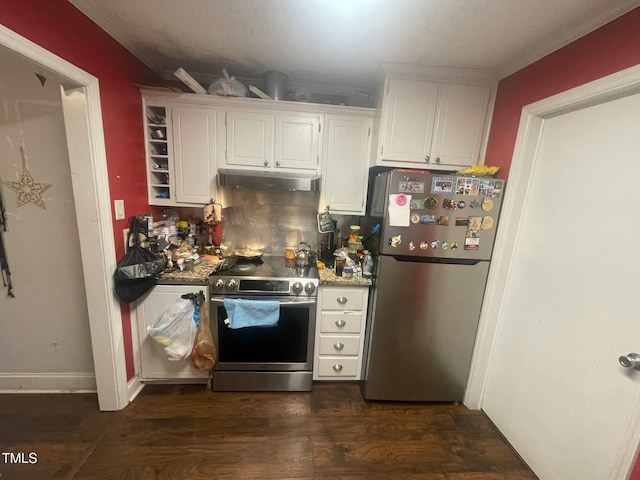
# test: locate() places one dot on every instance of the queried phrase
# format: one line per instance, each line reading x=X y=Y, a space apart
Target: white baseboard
x=47 y=382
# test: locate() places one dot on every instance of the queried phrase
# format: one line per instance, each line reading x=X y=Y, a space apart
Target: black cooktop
x=266 y=267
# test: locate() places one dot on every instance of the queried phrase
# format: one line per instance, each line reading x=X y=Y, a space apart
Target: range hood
x=305 y=182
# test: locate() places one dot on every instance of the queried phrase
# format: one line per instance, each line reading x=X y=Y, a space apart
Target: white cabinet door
x=432 y=124
x=297 y=141
x=410 y=114
x=154 y=364
x=460 y=121
x=194 y=149
x=347 y=147
x=249 y=138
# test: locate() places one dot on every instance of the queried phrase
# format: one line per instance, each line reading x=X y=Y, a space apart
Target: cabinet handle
x=266 y=163
x=340 y=323
x=337 y=367
x=427 y=158
x=338 y=346
x=342 y=300
x=437 y=159
x=277 y=163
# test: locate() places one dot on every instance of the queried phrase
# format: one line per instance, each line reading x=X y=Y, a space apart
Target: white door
x=297 y=142
x=408 y=128
x=249 y=139
x=194 y=151
x=347 y=147
x=571 y=301
x=459 y=126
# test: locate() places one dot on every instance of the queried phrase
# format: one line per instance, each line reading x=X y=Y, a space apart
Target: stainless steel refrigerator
x=434 y=235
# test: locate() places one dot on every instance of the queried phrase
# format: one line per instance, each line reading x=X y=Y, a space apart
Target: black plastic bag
x=138 y=271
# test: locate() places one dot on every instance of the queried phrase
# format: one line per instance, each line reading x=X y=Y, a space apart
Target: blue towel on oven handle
x=243 y=313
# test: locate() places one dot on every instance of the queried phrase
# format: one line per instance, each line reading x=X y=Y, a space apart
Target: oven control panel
x=294 y=287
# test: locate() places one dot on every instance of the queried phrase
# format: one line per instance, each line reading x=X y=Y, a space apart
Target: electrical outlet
x=119 y=207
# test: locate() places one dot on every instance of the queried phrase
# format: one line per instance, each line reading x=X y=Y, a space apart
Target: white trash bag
x=175 y=329
x=228 y=86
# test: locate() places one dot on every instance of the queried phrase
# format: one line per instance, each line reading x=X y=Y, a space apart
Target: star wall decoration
x=26 y=188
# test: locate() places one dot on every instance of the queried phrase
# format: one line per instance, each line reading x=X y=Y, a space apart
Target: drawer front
x=339 y=345
x=342 y=299
x=337 y=367
x=339 y=322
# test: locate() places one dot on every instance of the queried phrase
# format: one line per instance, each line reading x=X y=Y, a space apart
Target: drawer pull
x=342 y=300
x=338 y=346
x=337 y=367
x=340 y=323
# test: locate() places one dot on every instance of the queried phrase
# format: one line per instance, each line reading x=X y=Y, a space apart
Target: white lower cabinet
x=339 y=342
x=154 y=364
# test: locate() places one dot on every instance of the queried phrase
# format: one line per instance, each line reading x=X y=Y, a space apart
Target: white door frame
x=617 y=85
x=93 y=210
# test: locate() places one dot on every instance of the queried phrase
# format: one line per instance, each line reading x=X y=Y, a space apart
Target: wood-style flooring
x=189 y=432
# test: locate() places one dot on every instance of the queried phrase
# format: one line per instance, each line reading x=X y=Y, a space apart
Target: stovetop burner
x=266 y=268
x=268 y=275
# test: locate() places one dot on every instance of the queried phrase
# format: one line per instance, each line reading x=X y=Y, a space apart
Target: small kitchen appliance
x=260 y=358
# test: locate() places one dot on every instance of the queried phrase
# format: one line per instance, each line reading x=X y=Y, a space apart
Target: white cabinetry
x=249 y=139
x=189 y=136
x=297 y=141
x=194 y=151
x=272 y=140
x=182 y=144
x=347 y=146
x=339 y=342
x=432 y=123
x=159 y=158
x=154 y=364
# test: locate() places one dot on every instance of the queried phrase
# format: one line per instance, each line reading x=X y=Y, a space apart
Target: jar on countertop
x=354 y=234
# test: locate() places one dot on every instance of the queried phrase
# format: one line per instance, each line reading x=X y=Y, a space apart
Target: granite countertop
x=328 y=277
x=199 y=274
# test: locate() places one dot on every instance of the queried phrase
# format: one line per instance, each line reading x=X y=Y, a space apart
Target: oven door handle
x=305 y=302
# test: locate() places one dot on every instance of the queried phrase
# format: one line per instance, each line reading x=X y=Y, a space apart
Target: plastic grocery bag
x=175 y=329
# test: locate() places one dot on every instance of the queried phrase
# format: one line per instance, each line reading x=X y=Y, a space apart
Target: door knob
x=632 y=360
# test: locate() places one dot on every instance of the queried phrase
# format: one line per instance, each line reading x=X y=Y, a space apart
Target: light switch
x=119 y=207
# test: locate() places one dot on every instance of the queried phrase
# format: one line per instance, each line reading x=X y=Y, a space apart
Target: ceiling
x=338 y=45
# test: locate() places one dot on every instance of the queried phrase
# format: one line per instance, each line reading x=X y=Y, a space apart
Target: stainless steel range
x=265 y=358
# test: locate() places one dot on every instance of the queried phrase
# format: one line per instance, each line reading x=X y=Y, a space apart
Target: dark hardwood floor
x=188 y=432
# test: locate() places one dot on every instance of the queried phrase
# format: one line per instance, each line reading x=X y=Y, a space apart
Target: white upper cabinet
x=194 y=152
x=188 y=137
x=436 y=122
x=297 y=141
x=273 y=140
x=347 y=146
x=410 y=118
x=250 y=135
x=462 y=110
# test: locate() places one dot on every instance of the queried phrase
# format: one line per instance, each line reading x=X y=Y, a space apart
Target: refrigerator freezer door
x=437 y=216
x=421 y=330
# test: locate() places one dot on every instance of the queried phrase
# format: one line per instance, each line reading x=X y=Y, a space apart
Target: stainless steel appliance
x=436 y=235
x=259 y=358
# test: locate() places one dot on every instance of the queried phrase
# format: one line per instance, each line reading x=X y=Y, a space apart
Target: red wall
x=59 y=27
x=609 y=49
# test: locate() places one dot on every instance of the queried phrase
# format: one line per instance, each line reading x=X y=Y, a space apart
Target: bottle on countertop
x=367 y=265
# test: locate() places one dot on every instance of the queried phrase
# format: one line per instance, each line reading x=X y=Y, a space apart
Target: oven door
x=287 y=346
